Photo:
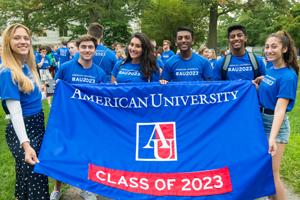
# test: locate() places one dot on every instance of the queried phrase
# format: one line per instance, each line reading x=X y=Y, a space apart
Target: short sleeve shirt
x=278 y=83
x=128 y=73
x=31 y=103
x=196 y=68
x=73 y=72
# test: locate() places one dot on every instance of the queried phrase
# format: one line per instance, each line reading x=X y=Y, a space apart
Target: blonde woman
x=212 y=57
x=21 y=99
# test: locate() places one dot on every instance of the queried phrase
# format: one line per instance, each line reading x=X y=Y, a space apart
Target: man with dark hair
x=104 y=57
x=167 y=53
x=186 y=66
x=236 y=27
x=239 y=63
x=81 y=70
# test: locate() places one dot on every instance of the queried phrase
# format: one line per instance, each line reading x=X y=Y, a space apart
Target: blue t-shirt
x=73 y=72
x=239 y=68
x=160 y=63
x=120 y=59
x=269 y=64
x=130 y=73
x=166 y=55
x=46 y=64
x=278 y=83
x=212 y=63
x=196 y=68
x=105 y=58
x=36 y=54
x=31 y=103
x=56 y=56
x=63 y=55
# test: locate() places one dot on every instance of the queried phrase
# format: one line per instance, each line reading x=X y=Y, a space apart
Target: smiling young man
x=82 y=70
x=239 y=64
x=104 y=57
x=186 y=66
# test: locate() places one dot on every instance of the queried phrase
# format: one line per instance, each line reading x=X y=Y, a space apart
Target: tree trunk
x=213 y=22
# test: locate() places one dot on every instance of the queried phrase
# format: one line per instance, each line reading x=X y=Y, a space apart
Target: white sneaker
x=88 y=195
x=55 y=195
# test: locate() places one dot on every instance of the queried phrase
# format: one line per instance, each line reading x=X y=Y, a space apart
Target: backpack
x=253 y=62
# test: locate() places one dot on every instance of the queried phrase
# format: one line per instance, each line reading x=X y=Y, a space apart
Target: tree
x=68 y=16
x=291 y=23
x=215 y=9
x=23 y=12
x=260 y=19
x=162 y=18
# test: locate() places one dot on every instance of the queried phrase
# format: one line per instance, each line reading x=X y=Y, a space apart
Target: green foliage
x=159 y=18
x=162 y=18
x=68 y=16
x=291 y=23
x=115 y=32
x=262 y=18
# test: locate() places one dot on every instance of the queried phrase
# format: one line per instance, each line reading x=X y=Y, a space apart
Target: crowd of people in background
x=86 y=60
x=50 y=58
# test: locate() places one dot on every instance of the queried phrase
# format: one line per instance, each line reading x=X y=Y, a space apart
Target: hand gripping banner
x=200 y=140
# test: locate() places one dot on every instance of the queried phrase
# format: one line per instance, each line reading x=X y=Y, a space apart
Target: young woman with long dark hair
x=140 y=63
x=277 y=95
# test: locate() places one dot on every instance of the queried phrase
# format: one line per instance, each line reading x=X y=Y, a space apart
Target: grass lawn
x=290 y=166
x=290 y=169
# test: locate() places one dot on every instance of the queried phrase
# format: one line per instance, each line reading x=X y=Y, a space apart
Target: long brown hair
x=290 y=56
x=12 y=62
x=148 y=59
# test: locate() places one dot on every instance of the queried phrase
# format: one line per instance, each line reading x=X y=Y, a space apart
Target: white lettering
x=78 y=93
x=157 y=100
x=160 y=184
x=99 y=177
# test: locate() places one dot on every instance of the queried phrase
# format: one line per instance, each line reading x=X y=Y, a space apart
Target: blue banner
x=149 y=141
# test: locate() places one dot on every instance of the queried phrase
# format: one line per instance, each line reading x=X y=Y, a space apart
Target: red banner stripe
x=201 y=183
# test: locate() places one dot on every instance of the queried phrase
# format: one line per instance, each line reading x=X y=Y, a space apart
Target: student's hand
x=113 y=80
x=30 y=154
x=272 y=146
x=163 y=82
x=257 y=81
x=43 y=54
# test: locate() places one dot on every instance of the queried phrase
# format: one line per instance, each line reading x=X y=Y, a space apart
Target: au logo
x=156 y=141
